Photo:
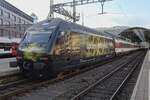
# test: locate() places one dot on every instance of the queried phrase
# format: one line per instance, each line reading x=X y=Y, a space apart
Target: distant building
x=13 y=22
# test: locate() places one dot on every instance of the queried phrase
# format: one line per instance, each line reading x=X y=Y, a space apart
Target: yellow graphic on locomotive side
x=83 y=45
x=95 y=46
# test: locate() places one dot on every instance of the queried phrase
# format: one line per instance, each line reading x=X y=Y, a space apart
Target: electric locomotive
x=53 y=46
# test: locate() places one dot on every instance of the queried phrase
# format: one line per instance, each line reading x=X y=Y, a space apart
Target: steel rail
x=35 y=85
x=82 y=93
x=9 y=75
x=125 y=80
x=7 y=85
x=30 y=86
x=4 y=79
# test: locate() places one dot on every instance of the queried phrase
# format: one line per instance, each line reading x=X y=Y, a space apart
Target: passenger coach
x=5 y=46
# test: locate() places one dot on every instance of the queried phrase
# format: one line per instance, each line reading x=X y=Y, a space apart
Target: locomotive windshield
x=36 y=41
x=37 y=37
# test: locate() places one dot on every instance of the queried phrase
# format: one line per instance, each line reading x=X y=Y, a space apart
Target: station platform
x=141 y=89
x=4 y=67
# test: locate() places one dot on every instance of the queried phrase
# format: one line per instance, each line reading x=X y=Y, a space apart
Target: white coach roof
x=5 y=40
x=16 y=40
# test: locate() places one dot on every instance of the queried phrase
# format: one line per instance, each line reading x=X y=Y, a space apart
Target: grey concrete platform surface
x=141 y=89
x=4 y=67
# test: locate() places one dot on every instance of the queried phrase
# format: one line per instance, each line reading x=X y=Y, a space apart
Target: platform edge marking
x=133 y=96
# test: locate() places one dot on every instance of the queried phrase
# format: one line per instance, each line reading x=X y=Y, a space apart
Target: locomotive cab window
x=36 y=40
x=37 y=37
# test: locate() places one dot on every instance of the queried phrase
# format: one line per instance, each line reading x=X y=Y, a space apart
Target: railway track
x=13 y=88
x=21 y=86
x=108 y=87
x=4 y=79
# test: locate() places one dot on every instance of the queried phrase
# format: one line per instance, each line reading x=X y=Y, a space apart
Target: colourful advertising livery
x=53 y=46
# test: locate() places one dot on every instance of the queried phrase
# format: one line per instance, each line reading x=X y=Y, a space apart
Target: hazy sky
x=120 y=12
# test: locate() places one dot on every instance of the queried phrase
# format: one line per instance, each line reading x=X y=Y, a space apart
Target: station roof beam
x=81 y=2
x=137 y=34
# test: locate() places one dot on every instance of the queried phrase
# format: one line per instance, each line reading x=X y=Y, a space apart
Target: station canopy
x=134 y=34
